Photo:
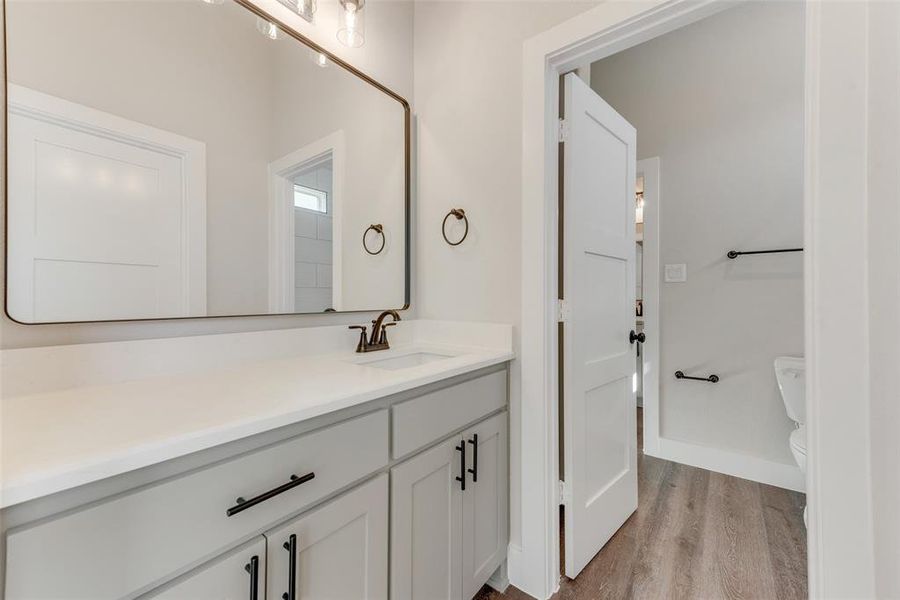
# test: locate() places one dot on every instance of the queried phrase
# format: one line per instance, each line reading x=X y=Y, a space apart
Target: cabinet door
x=336 y=552
x=484 y=503
x=239 y=575
x=426 y=513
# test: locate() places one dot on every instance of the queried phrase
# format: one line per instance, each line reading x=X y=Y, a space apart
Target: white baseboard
x=500 y=579
x=732 y=463
x=527 y=578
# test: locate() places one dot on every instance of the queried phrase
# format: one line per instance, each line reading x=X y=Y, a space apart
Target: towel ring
x=377 y=228
x=459 y=214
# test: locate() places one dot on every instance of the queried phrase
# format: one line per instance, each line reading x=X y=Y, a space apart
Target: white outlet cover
x=676 y=273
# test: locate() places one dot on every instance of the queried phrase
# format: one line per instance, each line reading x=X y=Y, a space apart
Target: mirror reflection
x=185 y=159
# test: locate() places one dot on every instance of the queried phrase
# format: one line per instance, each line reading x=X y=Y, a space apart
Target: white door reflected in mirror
x=143 y=184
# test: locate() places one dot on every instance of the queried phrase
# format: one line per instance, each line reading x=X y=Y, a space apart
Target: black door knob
x=640 y=337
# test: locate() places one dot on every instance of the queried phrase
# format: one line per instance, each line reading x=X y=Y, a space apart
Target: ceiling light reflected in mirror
x=304 y=8
x=352 y=23
x=267 y=28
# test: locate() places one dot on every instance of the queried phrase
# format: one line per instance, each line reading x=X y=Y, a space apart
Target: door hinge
x=563 y=493
x=563 y=130
x=563 y=311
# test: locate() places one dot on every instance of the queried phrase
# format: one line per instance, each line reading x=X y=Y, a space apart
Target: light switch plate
x=676 y=273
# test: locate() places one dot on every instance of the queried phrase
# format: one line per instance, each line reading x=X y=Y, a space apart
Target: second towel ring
x=460 y=214
x=377 y=228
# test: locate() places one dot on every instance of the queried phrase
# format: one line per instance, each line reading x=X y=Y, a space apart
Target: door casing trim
x=588 y=37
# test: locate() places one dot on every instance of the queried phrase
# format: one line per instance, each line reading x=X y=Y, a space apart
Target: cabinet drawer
x=126 y=544
x=422 y=420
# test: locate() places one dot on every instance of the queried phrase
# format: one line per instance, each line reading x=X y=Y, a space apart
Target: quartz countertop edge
x=92 y=433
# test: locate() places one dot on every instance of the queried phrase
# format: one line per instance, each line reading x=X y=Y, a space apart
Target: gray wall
x=884 y=289
x=469 y=105
x=468 y=82
x=721 y=103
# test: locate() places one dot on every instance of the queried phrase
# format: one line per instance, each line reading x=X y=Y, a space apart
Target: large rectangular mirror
x=182 y=158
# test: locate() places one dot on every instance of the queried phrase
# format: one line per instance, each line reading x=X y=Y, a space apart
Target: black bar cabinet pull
x=462 y=465
x=245 y=504
x=732 y=254
x=637 y=337
x=710 y=379
x=291 y=547
x=253 y=568
x=474 y=469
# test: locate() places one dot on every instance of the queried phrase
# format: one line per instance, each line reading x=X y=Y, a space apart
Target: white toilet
x=790 y=372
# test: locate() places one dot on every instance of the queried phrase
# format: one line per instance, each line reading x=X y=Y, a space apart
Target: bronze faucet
x=378 y=340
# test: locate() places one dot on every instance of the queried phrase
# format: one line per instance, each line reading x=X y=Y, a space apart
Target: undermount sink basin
x=405 y=361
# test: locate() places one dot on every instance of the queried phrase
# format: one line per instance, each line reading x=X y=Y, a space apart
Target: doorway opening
x=313 y=196
x=721 y=138
x=305 y=258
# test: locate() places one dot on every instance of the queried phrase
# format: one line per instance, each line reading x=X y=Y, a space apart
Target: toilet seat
x=798 y=446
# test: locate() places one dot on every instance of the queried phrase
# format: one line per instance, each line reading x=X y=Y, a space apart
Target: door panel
x=426 y=513
x=62 y=288
x=228 y=578
x=604 y=417
x=341 y=549
x=600 y=450
x=603 y=278
x=484 y=522
x=101 y=223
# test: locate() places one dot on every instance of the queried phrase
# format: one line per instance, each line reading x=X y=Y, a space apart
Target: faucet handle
x=361 y=346
x=383 y=338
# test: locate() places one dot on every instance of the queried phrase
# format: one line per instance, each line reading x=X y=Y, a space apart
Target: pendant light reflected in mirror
x=352 y=23
x=318 y=58
x=304 y=8
x=267 y=28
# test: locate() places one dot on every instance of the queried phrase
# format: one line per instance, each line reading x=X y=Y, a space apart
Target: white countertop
x=60 y=439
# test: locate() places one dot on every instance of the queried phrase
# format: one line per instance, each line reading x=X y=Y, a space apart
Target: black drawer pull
x=291 y=547
x=253 y=568
x=462 y=465
x=474 y=469
x=245 y=504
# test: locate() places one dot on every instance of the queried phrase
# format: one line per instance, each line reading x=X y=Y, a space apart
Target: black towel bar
x=710 y=379
x=732 y=254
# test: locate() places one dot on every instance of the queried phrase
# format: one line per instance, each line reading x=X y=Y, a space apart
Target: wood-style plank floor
x=696 y=535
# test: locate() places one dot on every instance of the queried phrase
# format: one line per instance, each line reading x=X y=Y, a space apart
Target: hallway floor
x=696 y=535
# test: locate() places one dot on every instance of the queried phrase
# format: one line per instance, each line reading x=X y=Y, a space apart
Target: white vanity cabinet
x=239 y=575
x=134 y=541
x=339 y=551
x=449 y=504
x=323 y=509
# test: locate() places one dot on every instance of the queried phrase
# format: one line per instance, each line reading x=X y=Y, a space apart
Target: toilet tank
x=790 y=372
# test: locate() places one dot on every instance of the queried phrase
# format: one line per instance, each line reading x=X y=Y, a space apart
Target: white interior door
x=600 y=440
x=106 y=215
